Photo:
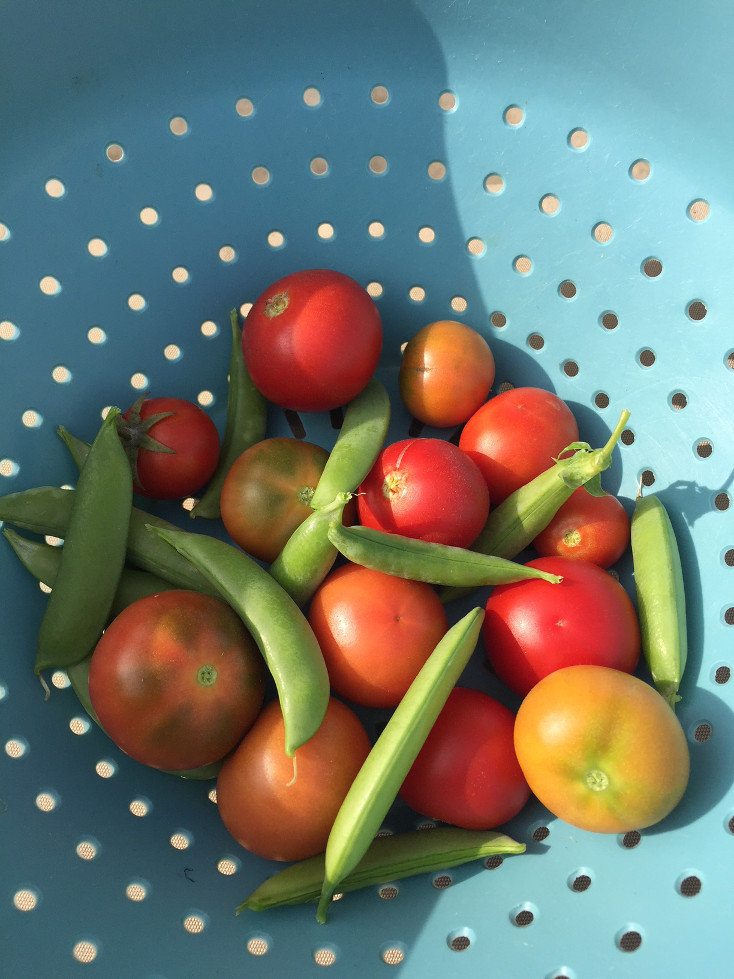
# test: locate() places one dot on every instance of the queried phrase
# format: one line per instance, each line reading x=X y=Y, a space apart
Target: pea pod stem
x=379 y=779
x=387 y=858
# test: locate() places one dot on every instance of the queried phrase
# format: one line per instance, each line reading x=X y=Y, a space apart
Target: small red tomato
x=587 y=528
x=427 y=489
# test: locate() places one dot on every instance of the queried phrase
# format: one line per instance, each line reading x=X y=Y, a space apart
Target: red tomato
x=467 y=773
x=173 y=446
x=312 y=340
x=284 y=811
x=445 y=374
x=601 y=749
x=516 y=436
x=532 y=627
x=176 y=680
x=376 y=631
x=587 y=528
x=427 y=489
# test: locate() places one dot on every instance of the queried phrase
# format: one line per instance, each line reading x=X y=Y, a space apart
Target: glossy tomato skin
x=446 y=372
x=194 y=439
x=467 y=773
x=267 y=491
x=284 y=812
x=516 y=435
x=376 y=631
x=601 y=749
x=312 y=340
x=587 y=528
x=530 y=631
x=176 y=680
x=425 y=488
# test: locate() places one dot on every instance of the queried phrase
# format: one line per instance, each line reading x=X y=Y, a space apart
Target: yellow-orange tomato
x=601 y=749
x=446 y=373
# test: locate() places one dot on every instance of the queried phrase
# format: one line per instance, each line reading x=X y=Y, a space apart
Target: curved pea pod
x=281 y=631
x=661 y=602
x=387 y=858
x=419 y=560
x=378 y=781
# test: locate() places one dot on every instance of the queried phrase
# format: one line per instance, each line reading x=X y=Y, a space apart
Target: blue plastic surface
x=90 y=884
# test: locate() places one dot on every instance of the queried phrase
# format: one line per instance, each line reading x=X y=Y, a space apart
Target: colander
x=557 y=175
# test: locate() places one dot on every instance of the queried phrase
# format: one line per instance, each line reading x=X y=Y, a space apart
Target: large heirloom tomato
x=176 y=680
x=312 y=340
x=601 y=749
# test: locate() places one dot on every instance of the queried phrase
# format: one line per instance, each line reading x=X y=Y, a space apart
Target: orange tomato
x=446 y=373
x=601 y=749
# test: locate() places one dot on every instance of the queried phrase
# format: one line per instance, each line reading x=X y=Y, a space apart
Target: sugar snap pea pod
x=661 y=602
x=378 y=781
x=308 y=554
x=281 y=631
x=388 y=858
x=516 y=522
x=93 y=556
x=244 y=425
x=358 y=444
x=436 y=564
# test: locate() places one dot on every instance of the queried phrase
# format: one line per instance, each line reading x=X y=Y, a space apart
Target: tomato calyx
x=596 y=780
x=277 y=304
x=133 y=432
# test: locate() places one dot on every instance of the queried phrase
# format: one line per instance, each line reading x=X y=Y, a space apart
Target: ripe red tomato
x=425 y=488
x=173 y=446
x=445 y=374
x=376 y=631
x=516 y=435
x=312 y=340
x=587 y=528
x=284 y=811
x=176 y=680
x=601 y=749
x=467 y=773
x=532 y=627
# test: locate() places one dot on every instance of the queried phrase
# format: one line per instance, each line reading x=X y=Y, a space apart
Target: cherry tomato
x=516 y=435
x=601 y=749
x=176 y=680
x=282 y=808
x=173 y=446
x=532 y=628
x=446 y=372
x=425 y=488
x=587 y=528
x=312 y=340
x=376 y=631
x=467 y=773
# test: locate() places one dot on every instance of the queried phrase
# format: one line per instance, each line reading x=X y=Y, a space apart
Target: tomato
x=312 y=340
x=425 y=488
x=267 y=491
x=467 y=773
x=446 y=372
x=281 y=810
x=601 y=749
x=376 y=631
x=587 y=528
x=532 y=627
x=516 y=435
x=176 y=680
x=173 y=446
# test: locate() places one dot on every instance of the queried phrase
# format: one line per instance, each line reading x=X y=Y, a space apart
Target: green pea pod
x=93 y=555
x=308 y=554
x=281 y=631
x=244 y=426
x=387 y=858
x=661 y=602
x=516 y=522
x=378 y=781
x=419 y=560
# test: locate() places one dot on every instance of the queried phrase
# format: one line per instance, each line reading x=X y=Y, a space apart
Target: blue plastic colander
x=557 y=175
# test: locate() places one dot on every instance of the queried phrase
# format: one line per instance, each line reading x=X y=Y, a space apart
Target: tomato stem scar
x=207 y=675
x=596 y=780
x=277 y=304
